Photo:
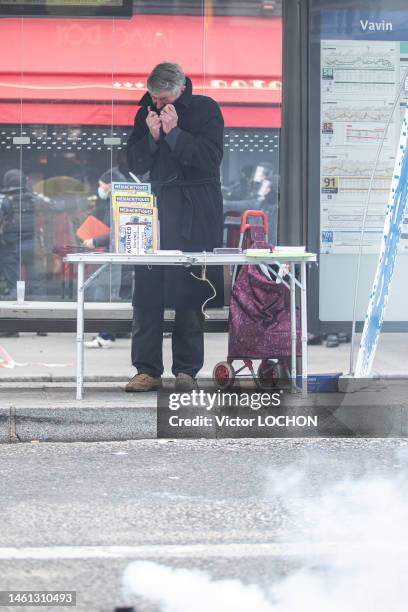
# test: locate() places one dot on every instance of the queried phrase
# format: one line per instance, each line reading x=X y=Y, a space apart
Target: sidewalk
x=52 y=358
x=37 y=394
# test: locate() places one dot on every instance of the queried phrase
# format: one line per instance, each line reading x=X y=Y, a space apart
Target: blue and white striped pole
x=385 y=268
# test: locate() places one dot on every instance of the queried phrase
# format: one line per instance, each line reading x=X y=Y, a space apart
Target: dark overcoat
x=19 y=222
x=185 y=175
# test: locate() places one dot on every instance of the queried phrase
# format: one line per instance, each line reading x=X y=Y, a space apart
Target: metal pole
x=293 y=324
x=80 y=330
x=303 y=302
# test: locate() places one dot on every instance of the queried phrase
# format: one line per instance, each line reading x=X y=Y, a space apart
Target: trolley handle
x=253 y=213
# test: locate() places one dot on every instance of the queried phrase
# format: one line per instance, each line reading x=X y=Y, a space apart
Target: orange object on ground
x=92 y=228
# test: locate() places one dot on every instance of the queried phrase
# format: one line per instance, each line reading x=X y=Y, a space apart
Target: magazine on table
x=131 y=188
x=134 y=215
x=137 y=229
x=135 y=222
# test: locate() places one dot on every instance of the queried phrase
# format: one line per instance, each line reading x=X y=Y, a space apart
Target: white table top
x=189 y=259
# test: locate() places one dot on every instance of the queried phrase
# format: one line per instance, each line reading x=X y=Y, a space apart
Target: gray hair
x=166 y=77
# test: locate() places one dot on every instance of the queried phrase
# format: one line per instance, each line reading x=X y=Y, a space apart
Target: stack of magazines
x=134 y=215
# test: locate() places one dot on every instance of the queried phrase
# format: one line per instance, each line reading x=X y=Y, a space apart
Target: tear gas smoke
x=358 y=525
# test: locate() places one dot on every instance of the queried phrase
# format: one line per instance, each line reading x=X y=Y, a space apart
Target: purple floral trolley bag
x=259 y=322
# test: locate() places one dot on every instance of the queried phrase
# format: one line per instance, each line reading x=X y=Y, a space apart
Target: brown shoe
x=143 y=382
x=185 y=382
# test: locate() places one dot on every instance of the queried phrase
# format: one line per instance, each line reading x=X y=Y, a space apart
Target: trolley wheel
x=268 y=374
x=223 y=375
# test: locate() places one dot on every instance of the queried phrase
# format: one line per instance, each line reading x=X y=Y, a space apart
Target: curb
x=50 y=413
x=77 y=424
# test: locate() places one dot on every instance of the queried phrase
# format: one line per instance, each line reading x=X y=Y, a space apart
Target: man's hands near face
x=167 y=119
x=153 y=123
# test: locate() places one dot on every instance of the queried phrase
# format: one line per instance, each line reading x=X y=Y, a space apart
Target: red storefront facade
x=72 y=72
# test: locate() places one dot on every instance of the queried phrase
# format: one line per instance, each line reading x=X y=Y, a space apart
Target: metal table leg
x=303 y=298
x=70 y=281
x=293 y=325
x=80 y=322
x=64 y=268
x=80 y=331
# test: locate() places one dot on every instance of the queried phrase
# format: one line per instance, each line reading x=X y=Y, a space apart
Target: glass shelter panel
x=69 y=92
x=51 y=155
x=248 y=86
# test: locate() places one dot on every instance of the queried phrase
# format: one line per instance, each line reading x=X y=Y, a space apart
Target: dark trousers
x=9 y=267
x=187 y=341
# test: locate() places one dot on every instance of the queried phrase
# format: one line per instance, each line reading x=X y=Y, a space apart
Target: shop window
x=68 y=85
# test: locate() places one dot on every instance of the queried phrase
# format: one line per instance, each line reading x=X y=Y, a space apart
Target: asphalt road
x=73 y=516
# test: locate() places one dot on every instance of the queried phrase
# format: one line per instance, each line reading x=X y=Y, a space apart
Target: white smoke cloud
x=182 y=590
x=360 y=528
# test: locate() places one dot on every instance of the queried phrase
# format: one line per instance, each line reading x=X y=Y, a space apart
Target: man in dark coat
x=178 y=138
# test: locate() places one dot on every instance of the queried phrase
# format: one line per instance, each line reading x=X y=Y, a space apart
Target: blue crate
x=321 y=383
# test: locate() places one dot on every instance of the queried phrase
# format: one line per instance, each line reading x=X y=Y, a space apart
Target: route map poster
x=360 y=83
x=362 y=77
